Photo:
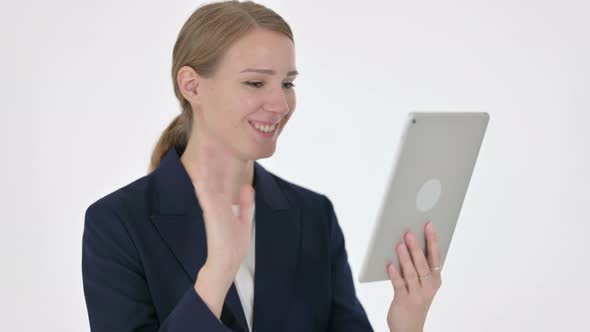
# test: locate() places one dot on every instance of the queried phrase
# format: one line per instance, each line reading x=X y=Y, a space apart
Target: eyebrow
x=268 y=71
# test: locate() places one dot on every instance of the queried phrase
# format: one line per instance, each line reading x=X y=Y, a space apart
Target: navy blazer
x=144 y=244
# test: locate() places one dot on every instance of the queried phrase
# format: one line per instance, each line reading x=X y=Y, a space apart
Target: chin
x=259 y=153
x=264 y=154
x=254 y=152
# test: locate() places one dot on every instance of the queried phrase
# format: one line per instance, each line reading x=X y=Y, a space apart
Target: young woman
x=211 y=241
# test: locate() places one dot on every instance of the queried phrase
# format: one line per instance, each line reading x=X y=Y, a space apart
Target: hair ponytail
x=175 y=135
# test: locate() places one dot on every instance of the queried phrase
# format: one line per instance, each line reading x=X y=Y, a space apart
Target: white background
x=86 y=91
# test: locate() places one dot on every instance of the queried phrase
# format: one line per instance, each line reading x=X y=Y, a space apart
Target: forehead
x=261 y=48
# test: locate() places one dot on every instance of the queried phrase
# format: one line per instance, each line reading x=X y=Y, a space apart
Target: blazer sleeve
x=115 y=288
x=347 y=312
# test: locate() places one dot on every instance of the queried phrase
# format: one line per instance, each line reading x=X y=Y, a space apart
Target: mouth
x=264 y=128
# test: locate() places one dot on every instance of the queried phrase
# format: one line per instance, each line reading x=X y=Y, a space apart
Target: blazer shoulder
x=125 y=200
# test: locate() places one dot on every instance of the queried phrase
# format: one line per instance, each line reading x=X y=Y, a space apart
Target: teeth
x=264 y=128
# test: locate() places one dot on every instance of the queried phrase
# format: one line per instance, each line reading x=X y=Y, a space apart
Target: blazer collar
x=179 y=219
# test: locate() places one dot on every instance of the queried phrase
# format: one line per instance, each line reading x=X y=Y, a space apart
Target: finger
x=420 y=263
x=407 y=267
x=399 y=285
x=246 y=203
x=432 y=247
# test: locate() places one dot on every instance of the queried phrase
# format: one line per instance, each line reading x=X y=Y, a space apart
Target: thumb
x=246 y=203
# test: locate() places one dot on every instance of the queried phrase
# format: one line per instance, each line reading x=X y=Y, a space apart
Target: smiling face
x=249 y=99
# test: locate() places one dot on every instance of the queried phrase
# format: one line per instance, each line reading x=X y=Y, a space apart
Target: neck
x=240 y=171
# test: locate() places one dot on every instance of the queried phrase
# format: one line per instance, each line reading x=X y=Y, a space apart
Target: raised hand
x=217 y=175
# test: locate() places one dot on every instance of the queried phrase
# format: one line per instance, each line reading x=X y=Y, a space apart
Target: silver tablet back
x=433 y=168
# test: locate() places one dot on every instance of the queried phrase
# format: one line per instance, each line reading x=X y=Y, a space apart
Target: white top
x=245 y=278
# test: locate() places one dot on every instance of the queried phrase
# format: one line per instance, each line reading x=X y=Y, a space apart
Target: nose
x=277 y=102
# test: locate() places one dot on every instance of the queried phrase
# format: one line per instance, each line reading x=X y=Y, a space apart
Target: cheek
x=248 y=105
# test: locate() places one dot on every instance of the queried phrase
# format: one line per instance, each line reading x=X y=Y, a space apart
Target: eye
x=289 y=85
x=254 y=84
x=257 y=84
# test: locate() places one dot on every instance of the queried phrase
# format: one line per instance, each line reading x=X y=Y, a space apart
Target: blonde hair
x=201 y=43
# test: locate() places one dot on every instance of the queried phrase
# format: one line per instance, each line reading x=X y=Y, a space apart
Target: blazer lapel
x=278 y=239
x=178 y=218
x=278 y=236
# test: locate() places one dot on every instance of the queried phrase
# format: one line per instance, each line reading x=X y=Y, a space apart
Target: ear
x=188 y=81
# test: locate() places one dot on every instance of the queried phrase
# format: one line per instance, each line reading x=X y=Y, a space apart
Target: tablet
x=433 y=166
